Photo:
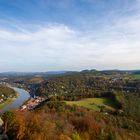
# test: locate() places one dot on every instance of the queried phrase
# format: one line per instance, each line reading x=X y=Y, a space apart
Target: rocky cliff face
x=3 y=135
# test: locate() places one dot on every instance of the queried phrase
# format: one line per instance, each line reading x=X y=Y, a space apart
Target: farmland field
x=94 y=103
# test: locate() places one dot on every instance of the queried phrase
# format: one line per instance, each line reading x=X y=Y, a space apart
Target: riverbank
x=7 y=102
x=15 y=103
x=32 y=103
x=7 y=96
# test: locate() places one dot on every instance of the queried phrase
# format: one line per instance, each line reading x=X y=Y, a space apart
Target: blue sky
x=44 y=35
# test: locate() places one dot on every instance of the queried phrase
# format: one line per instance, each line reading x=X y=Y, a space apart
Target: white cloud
x=59 y=47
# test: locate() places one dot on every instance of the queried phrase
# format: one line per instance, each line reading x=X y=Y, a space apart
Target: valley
x=75 y=105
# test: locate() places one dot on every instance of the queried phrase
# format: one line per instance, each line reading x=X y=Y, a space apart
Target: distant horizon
x=69 y=70
x=40 y=35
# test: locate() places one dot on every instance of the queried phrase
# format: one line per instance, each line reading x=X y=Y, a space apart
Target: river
x=22 y=97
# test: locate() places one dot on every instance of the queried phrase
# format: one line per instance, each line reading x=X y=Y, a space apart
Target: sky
x=53 y=35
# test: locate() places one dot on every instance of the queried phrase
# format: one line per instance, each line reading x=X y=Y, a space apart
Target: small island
x=7 y=95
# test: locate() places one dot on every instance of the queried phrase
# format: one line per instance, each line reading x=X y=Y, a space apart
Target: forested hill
x=88 y=84
x=122 y=89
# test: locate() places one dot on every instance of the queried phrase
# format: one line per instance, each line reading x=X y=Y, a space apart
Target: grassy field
x=137 y=76
x=94 y=103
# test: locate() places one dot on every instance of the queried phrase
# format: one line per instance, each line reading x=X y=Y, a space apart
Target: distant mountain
x=48 y=73
x=6 y=74
x=120 y=71
x=89 y=71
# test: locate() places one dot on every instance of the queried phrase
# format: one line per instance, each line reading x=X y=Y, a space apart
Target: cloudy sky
x=44 y=35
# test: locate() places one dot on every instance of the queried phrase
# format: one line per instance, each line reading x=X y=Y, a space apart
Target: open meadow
x=94 y=103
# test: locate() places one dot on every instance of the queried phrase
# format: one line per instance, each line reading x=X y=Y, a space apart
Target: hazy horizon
x=69 y=70
x=45 y=35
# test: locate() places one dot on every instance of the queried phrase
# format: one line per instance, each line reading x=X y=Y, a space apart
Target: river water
x=22 y=97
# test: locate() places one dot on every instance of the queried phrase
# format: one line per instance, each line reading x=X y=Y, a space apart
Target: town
x=32 y=103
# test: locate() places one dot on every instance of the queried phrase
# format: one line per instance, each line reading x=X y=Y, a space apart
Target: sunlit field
x=94 y=103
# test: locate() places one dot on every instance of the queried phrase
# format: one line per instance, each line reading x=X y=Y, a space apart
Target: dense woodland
x=84 y=85
x=57 y=121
